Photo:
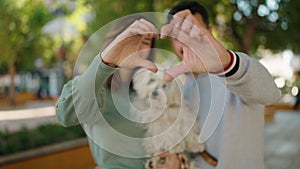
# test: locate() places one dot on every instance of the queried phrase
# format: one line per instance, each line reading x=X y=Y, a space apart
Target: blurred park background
x=40 y=41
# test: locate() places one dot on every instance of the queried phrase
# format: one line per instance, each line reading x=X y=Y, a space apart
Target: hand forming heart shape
x=191 y=39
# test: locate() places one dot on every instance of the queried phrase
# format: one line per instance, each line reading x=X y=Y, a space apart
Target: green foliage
x=109 y=10
x=26 y=139
x=242 y=25
x=20 y=31
x=21 y=22
x=248 y=24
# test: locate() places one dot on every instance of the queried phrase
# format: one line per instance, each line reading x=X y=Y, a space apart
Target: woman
x=88 y=98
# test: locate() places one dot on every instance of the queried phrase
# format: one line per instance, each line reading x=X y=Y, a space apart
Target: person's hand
x=201 y=51
x=131 y=48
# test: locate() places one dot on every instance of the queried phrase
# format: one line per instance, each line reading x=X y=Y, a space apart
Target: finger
x=175 y=71
x=141 y=28
x=134 y=61
x=149 y=29
x=145 y=41
x=197 y=32
x=175 y=22
x=138 y=28
x=183 y=14
x=133 y=28
x=152 y=28
x=149 y=24
x=146 y=64
x=166 y=30
x=182 y=36
x=179 y=17
x=187 y=24
x=174 y=32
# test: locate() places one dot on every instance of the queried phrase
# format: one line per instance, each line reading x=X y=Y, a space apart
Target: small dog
x=170 y=123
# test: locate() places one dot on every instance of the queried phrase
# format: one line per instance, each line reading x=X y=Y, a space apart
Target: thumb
x=146 y=64
x=175 y=71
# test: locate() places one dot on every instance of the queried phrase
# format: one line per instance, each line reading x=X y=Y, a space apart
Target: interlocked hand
x=131 y=48
x=201 y=51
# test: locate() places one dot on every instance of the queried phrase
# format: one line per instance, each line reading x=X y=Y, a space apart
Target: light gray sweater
x=231 y=114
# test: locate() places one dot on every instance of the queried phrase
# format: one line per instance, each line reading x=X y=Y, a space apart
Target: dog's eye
x=151 y=81
x=164 y=86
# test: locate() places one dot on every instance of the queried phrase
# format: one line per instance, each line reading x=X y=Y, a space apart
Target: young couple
x=231 y=84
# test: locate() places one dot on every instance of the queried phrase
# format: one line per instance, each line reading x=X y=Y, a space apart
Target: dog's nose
x=154 y=93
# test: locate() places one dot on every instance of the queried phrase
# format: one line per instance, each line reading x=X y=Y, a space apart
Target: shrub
x=47 y=134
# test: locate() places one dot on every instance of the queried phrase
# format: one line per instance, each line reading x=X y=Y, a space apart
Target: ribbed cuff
x=232 y=68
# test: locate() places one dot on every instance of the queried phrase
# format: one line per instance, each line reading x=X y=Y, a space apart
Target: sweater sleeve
x=252 y=82
x=81 y=98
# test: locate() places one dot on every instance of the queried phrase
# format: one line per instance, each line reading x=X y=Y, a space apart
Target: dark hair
x=193 y=6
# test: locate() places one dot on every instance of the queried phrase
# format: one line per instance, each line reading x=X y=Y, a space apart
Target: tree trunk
x=237 y=37
x=244 y=40
x=12 y=91
x=251 y=31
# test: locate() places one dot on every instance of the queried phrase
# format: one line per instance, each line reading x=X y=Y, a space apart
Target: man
x=233 y=89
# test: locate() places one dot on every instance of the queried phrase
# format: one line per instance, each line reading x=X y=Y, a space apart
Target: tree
x=243 y=25
x=20 y=31
x=250 y=24
x=108 y=10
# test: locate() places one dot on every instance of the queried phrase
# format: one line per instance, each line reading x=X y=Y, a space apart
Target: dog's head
x=151 y=86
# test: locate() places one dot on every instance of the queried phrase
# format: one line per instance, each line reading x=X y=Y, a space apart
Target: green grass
x=26 y=139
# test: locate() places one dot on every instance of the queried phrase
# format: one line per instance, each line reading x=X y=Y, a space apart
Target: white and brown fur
x=170 y=123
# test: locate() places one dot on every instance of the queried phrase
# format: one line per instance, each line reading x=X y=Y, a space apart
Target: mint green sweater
x=85 y=100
